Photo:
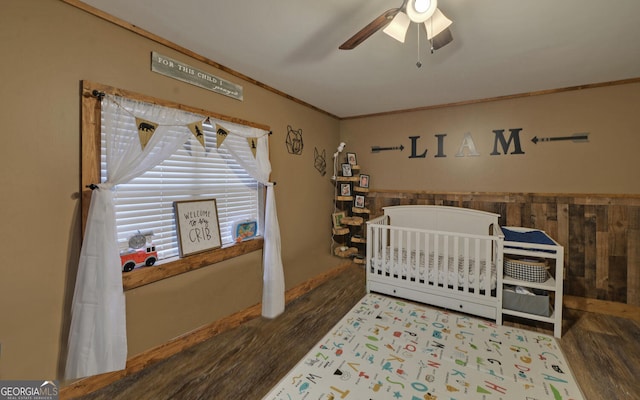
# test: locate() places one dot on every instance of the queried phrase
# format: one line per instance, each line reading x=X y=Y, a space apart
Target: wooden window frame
x=90 y=174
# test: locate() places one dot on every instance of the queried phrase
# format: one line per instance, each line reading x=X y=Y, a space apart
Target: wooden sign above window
x=186 y=73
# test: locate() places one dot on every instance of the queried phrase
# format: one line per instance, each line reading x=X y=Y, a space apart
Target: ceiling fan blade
x=374 y=26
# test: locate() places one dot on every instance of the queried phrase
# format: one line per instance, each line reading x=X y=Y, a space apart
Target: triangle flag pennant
x=221 y=135
x=145 y=130
x=198 y=132
x=253 y=144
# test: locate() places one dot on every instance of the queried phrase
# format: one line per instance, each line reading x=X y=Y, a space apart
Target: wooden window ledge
x=145 y=275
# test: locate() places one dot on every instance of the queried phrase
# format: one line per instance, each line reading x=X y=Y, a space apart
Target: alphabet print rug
x=386 y=349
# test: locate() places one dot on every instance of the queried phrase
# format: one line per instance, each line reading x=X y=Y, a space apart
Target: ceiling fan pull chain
x=418 y=64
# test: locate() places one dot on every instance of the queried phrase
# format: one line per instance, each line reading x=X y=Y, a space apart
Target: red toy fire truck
x=141 y=252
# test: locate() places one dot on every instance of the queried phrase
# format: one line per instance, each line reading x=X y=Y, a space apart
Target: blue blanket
x=534 y=236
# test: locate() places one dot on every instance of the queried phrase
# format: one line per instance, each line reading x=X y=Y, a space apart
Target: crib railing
x=438 y=259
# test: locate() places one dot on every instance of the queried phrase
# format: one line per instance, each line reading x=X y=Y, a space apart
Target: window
x=146 y=203
x=193 y=172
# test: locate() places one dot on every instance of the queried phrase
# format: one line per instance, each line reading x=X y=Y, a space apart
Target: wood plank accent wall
x=600 y=233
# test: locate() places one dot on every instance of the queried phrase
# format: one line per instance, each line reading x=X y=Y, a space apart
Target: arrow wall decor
x=378 y=149
x=576 y=138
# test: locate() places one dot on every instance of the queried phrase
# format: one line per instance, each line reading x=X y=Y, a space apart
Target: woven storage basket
x=529 y=270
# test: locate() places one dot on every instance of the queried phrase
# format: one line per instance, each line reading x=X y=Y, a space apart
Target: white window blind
x=193 y=172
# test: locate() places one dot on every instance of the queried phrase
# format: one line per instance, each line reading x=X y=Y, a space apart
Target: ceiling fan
x=396 y=21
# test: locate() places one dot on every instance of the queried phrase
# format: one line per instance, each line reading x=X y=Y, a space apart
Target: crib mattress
x=405 y=266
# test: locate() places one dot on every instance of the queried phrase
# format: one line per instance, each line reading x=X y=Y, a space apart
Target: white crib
x=444 y=256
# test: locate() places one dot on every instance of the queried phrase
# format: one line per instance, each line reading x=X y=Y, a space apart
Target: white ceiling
x=500 y=47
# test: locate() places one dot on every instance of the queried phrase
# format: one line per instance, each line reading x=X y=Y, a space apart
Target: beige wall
x=608 y=163
x=48 y=47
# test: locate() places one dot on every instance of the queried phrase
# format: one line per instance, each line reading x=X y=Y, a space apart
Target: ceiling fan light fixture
x=398 y=27
x=436 y=24
x=421 y=10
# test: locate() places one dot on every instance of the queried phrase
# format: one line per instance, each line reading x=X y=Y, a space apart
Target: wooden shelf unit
x=350 y=237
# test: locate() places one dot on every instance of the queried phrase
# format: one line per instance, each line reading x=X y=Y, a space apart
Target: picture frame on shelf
x=245 y=230
x=359 y=201
x=346 y=170
x=364 y=181
x=197 y=226
x=337 y=219
x=351 y=159
x=345 y=189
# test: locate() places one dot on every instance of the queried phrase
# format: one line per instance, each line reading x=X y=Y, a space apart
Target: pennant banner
x=253 y=144
x=196 y=129
x=221 y=135
x=145 y=130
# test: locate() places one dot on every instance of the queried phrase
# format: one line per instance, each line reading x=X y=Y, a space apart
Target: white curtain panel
x=98 y=337
x=259 y=168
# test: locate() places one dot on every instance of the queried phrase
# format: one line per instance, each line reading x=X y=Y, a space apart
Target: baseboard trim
x=602 y=306
x=137 y=363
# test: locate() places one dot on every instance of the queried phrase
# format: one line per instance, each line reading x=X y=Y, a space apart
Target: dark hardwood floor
x=245 y=362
